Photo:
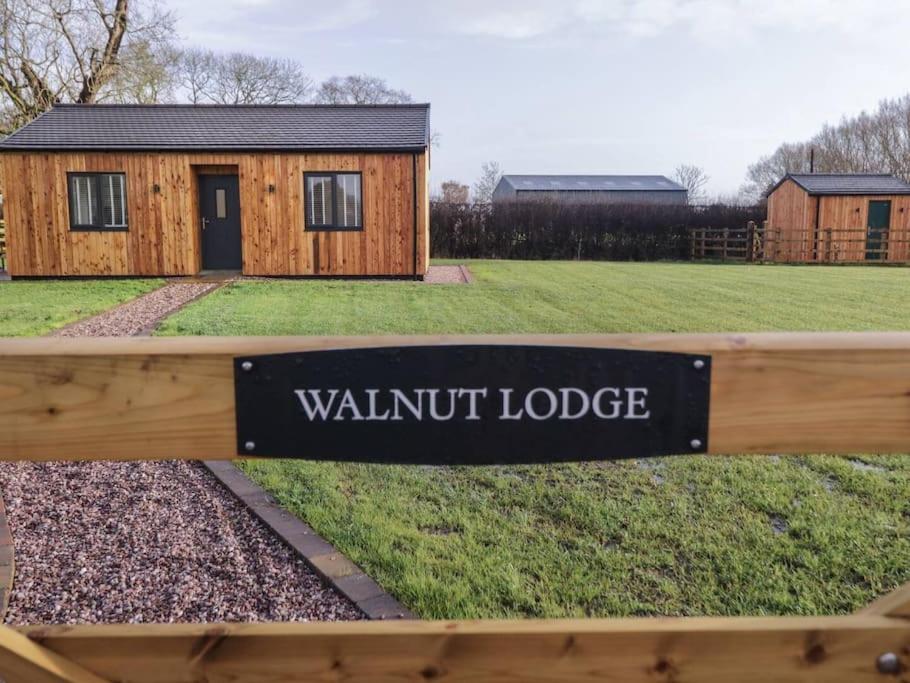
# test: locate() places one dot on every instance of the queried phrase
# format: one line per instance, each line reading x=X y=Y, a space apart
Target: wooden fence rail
x=756 y=243
x=101 y=399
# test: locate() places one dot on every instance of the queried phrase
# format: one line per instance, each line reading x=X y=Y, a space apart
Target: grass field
x=34 y=307
x=512 y=296
x=674 y=536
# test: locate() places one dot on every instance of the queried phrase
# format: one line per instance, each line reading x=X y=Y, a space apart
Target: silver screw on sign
x=695 y=443
x=888 y=663
x=250 y=445
x=246 y=365
x=699 y=364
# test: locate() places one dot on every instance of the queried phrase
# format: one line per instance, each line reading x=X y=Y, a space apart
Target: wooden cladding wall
x=842 y=226
x=848 y=217
x=164 y=226
x=791 y=214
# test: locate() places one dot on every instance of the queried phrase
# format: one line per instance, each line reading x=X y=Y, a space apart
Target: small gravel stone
x=139 y=542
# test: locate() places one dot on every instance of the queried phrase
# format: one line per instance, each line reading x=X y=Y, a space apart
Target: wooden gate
x=97 y=399
x=727 y=244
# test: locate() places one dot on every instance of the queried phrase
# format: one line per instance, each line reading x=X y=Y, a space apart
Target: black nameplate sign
x=472 y=405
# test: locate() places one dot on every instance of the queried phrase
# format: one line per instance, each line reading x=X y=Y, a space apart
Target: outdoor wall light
x=271 y=188
x=156 y=188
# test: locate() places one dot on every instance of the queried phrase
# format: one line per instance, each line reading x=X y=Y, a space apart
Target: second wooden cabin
x=155 y=190
x=826 y=217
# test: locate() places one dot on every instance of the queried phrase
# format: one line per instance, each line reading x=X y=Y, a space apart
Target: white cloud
x=705 y=19
x=341 y=15
x=205 y=22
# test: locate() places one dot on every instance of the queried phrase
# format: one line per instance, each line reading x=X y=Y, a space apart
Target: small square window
x=334 y=201
x=97 y=201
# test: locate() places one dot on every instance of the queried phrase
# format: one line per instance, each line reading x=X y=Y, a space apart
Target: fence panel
x=727 y=244
x=756 y=243
x=104 y=399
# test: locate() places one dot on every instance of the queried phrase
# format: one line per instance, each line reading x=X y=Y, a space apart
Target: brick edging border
x=7 y=561
x=332 y=566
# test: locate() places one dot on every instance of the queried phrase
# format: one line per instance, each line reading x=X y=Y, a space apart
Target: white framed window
x=97 y=201
x=334 y=201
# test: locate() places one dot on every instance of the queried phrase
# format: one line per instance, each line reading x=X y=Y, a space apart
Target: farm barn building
x=594 y=189
x=101 y=190
x=838 y=217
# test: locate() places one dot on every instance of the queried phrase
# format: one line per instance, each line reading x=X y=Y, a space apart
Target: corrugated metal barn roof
x=226 y=127
x=587 y=183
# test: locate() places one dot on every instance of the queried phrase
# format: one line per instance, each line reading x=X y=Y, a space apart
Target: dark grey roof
x=847 y=183
x=588 y=183
x=226 y=127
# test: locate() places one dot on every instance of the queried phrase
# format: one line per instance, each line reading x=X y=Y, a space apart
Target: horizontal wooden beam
x=163 y=398
x=22 y=660
x=745 y=650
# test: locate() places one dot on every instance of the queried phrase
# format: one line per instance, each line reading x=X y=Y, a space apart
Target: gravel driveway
x=129 y=542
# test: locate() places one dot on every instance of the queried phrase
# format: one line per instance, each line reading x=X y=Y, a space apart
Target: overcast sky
x=591 y=86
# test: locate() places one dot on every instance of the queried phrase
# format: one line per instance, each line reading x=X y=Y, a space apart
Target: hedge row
x=547 y=230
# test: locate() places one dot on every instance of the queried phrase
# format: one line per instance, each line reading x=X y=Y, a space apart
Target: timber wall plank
x=164 y=231
x=789 y=207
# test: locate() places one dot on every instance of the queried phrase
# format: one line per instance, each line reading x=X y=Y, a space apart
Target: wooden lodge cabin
x=827 y=217
x=155 y=190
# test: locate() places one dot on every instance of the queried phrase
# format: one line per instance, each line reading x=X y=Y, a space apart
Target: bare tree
x=239 y=78
x=359 y=89
x=490 y=174
x=145 y=76
x=870 y=142
x=694 y=179
x=196 y=69
x=69 y=50
x=454 y=192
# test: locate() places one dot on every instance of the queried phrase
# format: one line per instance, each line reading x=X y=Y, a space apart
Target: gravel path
x=448 y=275
x=136 y=316
x=129 y=542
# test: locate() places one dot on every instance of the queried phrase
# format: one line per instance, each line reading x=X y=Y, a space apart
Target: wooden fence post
x=750 y=241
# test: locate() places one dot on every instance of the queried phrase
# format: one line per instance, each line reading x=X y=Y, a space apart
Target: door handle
x=205 y=222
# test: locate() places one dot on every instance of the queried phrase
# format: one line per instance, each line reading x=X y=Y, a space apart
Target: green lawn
x=675 y=536
x=512 y=296
x=34 y=307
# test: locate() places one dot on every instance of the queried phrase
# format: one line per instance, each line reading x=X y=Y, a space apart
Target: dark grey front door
x=877 y=230
x=219 y=201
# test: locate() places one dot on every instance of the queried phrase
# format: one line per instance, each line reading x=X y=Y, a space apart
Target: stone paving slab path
x=131 y=542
